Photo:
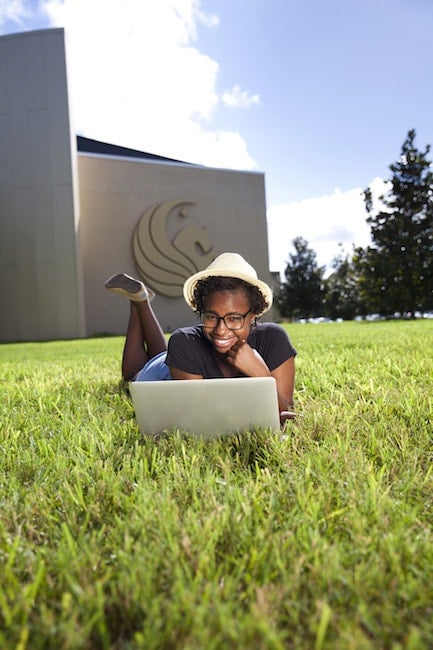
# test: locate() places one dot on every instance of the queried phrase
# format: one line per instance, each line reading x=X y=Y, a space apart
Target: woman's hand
x=247 y=360
x=286 y=415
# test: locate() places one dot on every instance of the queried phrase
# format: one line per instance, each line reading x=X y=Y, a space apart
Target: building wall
x=203 y=211
x=68 y=221
x=40 y=269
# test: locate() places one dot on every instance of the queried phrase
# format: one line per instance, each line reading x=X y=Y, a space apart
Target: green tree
x=342 y=298
x=301 y=294
x=396 y=271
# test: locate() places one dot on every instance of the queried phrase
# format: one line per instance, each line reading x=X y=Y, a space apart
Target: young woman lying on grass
x=229 y=342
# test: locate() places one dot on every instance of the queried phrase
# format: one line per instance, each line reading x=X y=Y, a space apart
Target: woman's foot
x=129 y=287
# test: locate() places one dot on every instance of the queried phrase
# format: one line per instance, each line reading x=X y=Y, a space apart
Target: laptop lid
x=206 y=407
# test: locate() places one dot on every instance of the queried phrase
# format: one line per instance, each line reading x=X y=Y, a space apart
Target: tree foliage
x=396 y=270
x=342 y=296
x=301 y=294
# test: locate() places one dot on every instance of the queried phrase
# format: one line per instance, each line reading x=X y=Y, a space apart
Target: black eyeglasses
x=231 y=321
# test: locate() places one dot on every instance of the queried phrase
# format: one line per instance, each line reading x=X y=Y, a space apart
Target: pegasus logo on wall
x=163 y=264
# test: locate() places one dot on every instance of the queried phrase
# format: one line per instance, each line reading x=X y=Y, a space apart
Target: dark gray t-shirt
x=190 y=351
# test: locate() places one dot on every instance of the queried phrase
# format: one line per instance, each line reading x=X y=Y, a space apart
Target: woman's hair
x=207 y=286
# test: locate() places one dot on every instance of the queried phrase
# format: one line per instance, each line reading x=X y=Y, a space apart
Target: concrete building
x=74 y=211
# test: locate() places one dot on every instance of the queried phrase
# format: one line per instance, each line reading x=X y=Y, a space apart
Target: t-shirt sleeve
x=274 y=345
x=184 y=352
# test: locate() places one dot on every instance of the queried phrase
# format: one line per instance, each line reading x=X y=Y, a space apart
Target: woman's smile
x=223 y=343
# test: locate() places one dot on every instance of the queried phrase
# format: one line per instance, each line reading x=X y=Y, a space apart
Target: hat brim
x=189 y=285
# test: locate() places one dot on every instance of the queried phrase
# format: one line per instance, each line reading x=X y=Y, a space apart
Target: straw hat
x=229 y=265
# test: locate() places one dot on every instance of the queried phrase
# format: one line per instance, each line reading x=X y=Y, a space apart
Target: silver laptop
x=208 y=407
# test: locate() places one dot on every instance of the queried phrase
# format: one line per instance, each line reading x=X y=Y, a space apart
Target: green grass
x=320 y=539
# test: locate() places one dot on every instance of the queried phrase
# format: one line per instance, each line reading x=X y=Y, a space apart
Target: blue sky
x=319 y=95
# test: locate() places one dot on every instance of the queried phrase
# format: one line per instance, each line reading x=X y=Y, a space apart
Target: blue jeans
x=155 y=369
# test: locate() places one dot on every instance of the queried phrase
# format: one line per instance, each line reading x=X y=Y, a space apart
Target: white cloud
x=137 y=80
x=14 y=11
x=210 y=20
x=237 y=98
x=325 y=222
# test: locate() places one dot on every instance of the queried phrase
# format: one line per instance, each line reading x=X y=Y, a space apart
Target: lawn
x=320 y=538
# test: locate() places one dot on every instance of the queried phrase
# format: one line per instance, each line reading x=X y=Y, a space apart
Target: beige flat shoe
x=129 y=287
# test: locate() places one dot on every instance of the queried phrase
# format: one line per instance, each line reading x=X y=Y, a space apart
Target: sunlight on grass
x=321 y=538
